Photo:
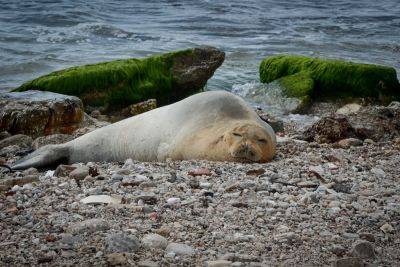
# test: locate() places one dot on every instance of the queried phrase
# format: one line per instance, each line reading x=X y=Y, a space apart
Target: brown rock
x=36 y=113
x=115 y=259
x=255 y=172
x=200 y=172
x=329 y=130
x=349 y=142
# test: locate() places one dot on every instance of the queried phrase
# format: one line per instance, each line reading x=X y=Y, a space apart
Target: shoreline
x=313 y=204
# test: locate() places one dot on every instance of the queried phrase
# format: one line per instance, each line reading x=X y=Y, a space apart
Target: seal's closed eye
x=236 y=134
x=262 y=140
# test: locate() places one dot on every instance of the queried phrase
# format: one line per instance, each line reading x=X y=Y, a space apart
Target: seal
x=213 y=125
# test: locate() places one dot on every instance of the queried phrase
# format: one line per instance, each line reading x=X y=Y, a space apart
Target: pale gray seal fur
x=214 y=125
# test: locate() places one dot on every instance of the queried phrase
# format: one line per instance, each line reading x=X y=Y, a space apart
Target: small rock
x=378 y=172
x=205 y=185
x=116 y=259
x=150 y=199
x=349 y=142
x=155 y=241
x=102 y=199
x=64 y=170
x=122 y=242
x=79 y=173
x=338 y=250
x=194 y=183
x=174 y=201
x=218 y=263
x=255 y=172
x=387 y=228
x=88 y=226
x=200 y=172
x=369 y=141
x=147 y=263
x=349 y=109
x=363 y=249
x=367 y=236
x=163 y=230
x=179 y=249
x=348 y=262
x=307 y=184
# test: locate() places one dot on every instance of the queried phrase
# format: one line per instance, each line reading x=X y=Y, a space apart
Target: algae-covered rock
x=167 y=78
x=312 y=78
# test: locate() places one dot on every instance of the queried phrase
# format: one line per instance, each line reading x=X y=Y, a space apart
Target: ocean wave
x=85 y=33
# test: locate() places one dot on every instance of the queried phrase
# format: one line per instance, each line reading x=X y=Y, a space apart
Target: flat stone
x=147 y=263
x=218 y=263
x=37 y=113
x=349 y=142
x=200 y=172
x=102 y=199
x=122 y=242
x=349 y=109
x=88 y=226
x=348 y=262
x=179 y=249
x=155 y=241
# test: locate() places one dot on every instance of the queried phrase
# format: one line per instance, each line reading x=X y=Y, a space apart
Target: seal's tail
x=44 y=157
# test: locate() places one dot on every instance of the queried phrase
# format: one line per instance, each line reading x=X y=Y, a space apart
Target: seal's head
x=250 y=143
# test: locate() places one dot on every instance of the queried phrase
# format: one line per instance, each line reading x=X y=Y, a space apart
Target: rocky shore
x=321 y=201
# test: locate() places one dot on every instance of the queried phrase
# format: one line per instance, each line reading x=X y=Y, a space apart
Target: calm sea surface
x=37 y=37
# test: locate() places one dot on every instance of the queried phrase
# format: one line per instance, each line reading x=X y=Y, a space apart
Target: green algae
x=323 y=78
x=117 y=83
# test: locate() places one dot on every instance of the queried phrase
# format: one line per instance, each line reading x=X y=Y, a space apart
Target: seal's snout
x=246 y=151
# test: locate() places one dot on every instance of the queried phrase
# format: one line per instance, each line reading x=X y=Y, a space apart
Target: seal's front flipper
x=44 y=157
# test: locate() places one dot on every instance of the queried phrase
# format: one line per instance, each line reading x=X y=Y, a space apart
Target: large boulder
x=312 y=78
x=36 y=113
x=166 y=78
